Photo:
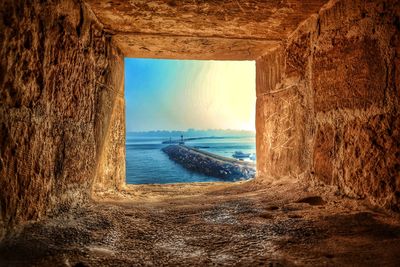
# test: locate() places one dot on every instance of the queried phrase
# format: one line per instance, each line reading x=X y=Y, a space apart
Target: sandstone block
x=371 y=159
x=349 y=74
x=282 y=147
x=324 y=153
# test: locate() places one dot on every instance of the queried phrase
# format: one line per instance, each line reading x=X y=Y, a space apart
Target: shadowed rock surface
x=61 y=109
x=222 y=29
x=209 y=164
x=222 y=224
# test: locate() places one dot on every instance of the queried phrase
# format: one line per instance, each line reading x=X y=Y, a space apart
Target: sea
x=147 y=164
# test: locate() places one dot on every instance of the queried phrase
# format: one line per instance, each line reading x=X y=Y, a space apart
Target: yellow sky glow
x=222 y=96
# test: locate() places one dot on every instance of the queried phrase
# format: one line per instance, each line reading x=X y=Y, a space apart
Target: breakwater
x=210 y=164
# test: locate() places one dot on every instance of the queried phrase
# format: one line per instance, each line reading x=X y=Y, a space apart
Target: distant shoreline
x=193 y=133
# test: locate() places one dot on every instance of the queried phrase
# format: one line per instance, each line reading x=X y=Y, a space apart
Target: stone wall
x=328 y=102
x=110 y=128
x=282 y=118
x=60 y=78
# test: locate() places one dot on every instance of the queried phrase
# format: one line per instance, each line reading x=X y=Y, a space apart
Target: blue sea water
x=147 y=164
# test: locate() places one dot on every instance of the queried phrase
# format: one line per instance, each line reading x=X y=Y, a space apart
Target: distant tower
x=181 y=142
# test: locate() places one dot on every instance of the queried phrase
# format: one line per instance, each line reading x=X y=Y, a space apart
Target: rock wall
x=110 y=127
x=60 y=88
x=283 y=122
x=328 y=101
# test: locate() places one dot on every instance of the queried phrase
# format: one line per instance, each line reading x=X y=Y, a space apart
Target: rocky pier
x=210 y=164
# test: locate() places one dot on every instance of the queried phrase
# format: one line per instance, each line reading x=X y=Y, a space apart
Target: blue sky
x=182 y=94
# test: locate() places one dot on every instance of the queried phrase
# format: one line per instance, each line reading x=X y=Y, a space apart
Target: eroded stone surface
x=371 y=153
x=284 y=121
x=346 y=58
x=56 y=96
x=359 y=61
x=324 y=154
x=226 y=29
x=281 y=147
x=156 y=46
x=360 y=94
x=246 y=224
x=241 y=19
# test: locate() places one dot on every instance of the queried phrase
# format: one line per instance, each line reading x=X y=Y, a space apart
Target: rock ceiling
x=201 y=29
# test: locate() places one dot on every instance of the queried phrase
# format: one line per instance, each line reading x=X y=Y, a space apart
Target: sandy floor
x=245 y=224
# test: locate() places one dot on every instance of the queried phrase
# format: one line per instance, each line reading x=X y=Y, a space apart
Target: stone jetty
x=210 y=164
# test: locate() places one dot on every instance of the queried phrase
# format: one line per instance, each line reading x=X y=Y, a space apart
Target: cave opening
x=189 y=121
x=327 y=134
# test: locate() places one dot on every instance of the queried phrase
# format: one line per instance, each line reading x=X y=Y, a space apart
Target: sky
x=183 y=94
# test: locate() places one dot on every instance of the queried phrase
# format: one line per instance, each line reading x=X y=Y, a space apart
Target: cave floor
x=282 y=223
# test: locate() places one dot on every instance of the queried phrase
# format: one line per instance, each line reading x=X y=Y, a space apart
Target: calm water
x=146 y=163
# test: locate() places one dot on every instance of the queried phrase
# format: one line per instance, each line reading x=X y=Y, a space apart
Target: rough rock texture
x=212 y=224
x=211 y=29
x=57 y=87
x=110 y=119
x=283 y=122
x=337 y=118
x=188 y=47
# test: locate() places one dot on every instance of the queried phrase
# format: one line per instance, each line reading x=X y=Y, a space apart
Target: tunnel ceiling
x=201 y=29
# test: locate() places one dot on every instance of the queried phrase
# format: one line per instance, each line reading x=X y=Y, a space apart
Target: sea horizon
x=147 y=164
x=195 y=132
